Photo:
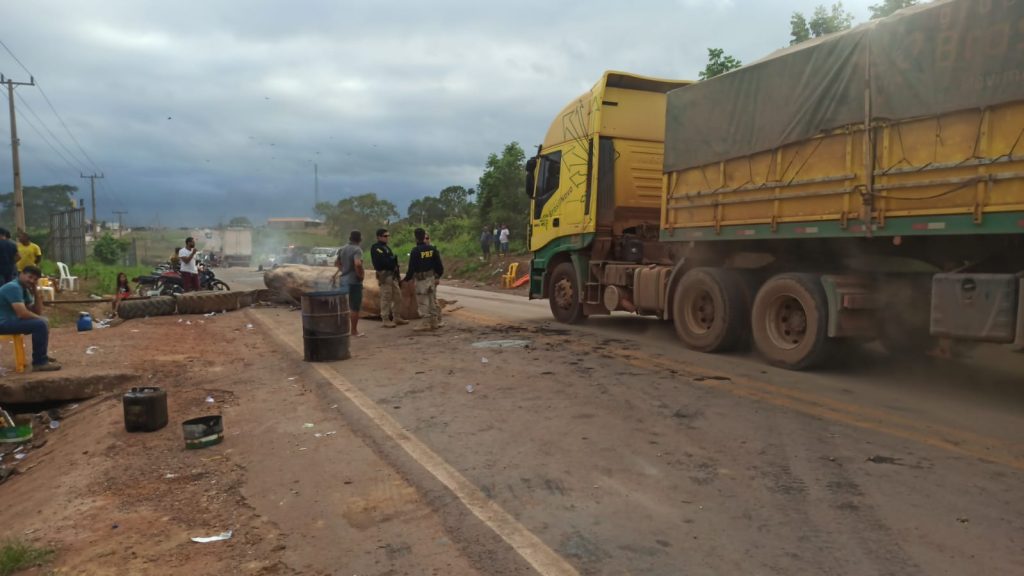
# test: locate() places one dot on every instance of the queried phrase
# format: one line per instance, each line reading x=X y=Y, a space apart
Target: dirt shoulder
x=299 y=499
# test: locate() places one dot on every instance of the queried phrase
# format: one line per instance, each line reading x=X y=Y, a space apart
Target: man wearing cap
x=426 y=268
x=349 y=277
x=388 y=279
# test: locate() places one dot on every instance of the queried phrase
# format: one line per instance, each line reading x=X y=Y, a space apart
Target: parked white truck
x=237 y=247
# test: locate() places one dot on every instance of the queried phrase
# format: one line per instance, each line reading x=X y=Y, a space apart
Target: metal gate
x=67 y=236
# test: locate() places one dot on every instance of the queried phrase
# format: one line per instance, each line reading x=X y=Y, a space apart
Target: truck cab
x=595 y=186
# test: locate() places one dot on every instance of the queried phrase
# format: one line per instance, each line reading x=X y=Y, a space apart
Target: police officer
x=386 y=264
x=426 y=268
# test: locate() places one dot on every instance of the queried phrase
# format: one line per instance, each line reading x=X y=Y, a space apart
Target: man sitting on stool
x=21 y=306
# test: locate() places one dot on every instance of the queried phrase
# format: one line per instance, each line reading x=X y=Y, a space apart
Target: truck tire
x=206 y=302
x=156 y=306
x=565 y=295
x=711 y=309
x=790 y=321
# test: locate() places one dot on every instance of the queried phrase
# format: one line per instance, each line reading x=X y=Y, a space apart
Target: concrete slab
x=62 y=386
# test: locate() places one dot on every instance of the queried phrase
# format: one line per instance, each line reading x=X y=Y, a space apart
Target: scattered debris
x=218 y=538
x=291 y=378
x=169 y=476
x=249 y=326
x=92 y=350
x=502 y=344
x=963 y=519
x=484 y=360
x=308 y=425
x=876 y=459
x=210 y=315
x=470 y=387
x=715 y=378
x=210 y=400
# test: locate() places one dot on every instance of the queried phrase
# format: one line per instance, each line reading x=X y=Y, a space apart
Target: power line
x=46 y=141
x=47 y=128
x=52 y=108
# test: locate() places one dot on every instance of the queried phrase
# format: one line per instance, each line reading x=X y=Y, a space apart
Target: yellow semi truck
x=869 y=184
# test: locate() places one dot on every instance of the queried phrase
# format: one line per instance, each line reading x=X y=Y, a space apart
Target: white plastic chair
x=66 y=278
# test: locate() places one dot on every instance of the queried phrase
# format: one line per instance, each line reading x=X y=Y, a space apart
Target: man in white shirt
x=189 y=270
x=503 y=240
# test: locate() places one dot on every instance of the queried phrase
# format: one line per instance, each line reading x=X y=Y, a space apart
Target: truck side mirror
x=531 y=166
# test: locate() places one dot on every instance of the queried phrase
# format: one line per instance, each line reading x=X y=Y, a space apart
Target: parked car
x=321 y=256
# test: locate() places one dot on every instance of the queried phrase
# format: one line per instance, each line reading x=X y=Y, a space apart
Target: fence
x=67 y=236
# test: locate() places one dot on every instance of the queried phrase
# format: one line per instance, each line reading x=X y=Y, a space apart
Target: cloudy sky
x=198 y=111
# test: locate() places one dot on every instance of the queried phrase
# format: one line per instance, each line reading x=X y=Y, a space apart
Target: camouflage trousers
x=426 y=299
x=390 y=296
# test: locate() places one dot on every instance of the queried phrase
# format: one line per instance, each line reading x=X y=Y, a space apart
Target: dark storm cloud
x=200 y=111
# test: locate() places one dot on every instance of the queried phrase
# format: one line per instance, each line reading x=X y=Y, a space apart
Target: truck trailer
x=867 y=185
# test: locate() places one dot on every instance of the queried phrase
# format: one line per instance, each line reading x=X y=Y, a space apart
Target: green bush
x=110 y=250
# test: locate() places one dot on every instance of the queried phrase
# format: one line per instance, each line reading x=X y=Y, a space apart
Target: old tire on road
x=711 y=309
x=790 y=321
x=206 y=302
x=565 y=295
x=155 y=306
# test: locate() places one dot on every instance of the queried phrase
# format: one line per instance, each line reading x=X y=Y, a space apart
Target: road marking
x=531 y=548
x=875 y=420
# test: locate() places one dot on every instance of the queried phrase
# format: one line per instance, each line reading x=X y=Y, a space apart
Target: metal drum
x=325 y=326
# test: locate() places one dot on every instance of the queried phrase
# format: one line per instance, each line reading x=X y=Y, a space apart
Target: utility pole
x=316 y=186
x=95 y=224
x=120 y=222
x=19 y=196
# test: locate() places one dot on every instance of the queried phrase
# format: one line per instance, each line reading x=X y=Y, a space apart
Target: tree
x=456 y=201
x=719 y=63
x=40 y=202
x=826 y=20
x=887 y=7
x=500 y=197
x=365 y=213
x=110 y=250
x=240 y=222
x=799 y=30
x=425 y=211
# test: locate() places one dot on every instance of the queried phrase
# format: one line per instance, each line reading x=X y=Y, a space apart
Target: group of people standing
x=497 y=237
x=425 y=269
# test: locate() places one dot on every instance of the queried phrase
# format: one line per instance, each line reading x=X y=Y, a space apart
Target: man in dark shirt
x=8 y=257
x=385 y=263
x=426 y=268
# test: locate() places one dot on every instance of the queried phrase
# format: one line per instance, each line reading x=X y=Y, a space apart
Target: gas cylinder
x=84 y=322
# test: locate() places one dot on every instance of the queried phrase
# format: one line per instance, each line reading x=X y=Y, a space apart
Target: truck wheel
x=711 y=310
x=206 y=302
x=156 y=306
x=790 y=321
x=565 y=295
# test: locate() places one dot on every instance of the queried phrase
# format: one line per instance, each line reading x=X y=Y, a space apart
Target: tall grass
x=16 y=555
x=95 y=276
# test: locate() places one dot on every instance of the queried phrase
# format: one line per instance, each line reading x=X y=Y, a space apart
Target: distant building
x=293 y=223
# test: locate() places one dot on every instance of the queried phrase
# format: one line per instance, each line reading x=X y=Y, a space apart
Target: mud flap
x=851 y=307
x=1018 y=342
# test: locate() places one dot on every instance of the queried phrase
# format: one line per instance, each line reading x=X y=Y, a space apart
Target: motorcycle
x=166 y=282
x=208 y=280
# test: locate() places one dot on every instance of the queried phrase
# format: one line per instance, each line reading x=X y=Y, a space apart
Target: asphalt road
x=620 y=452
